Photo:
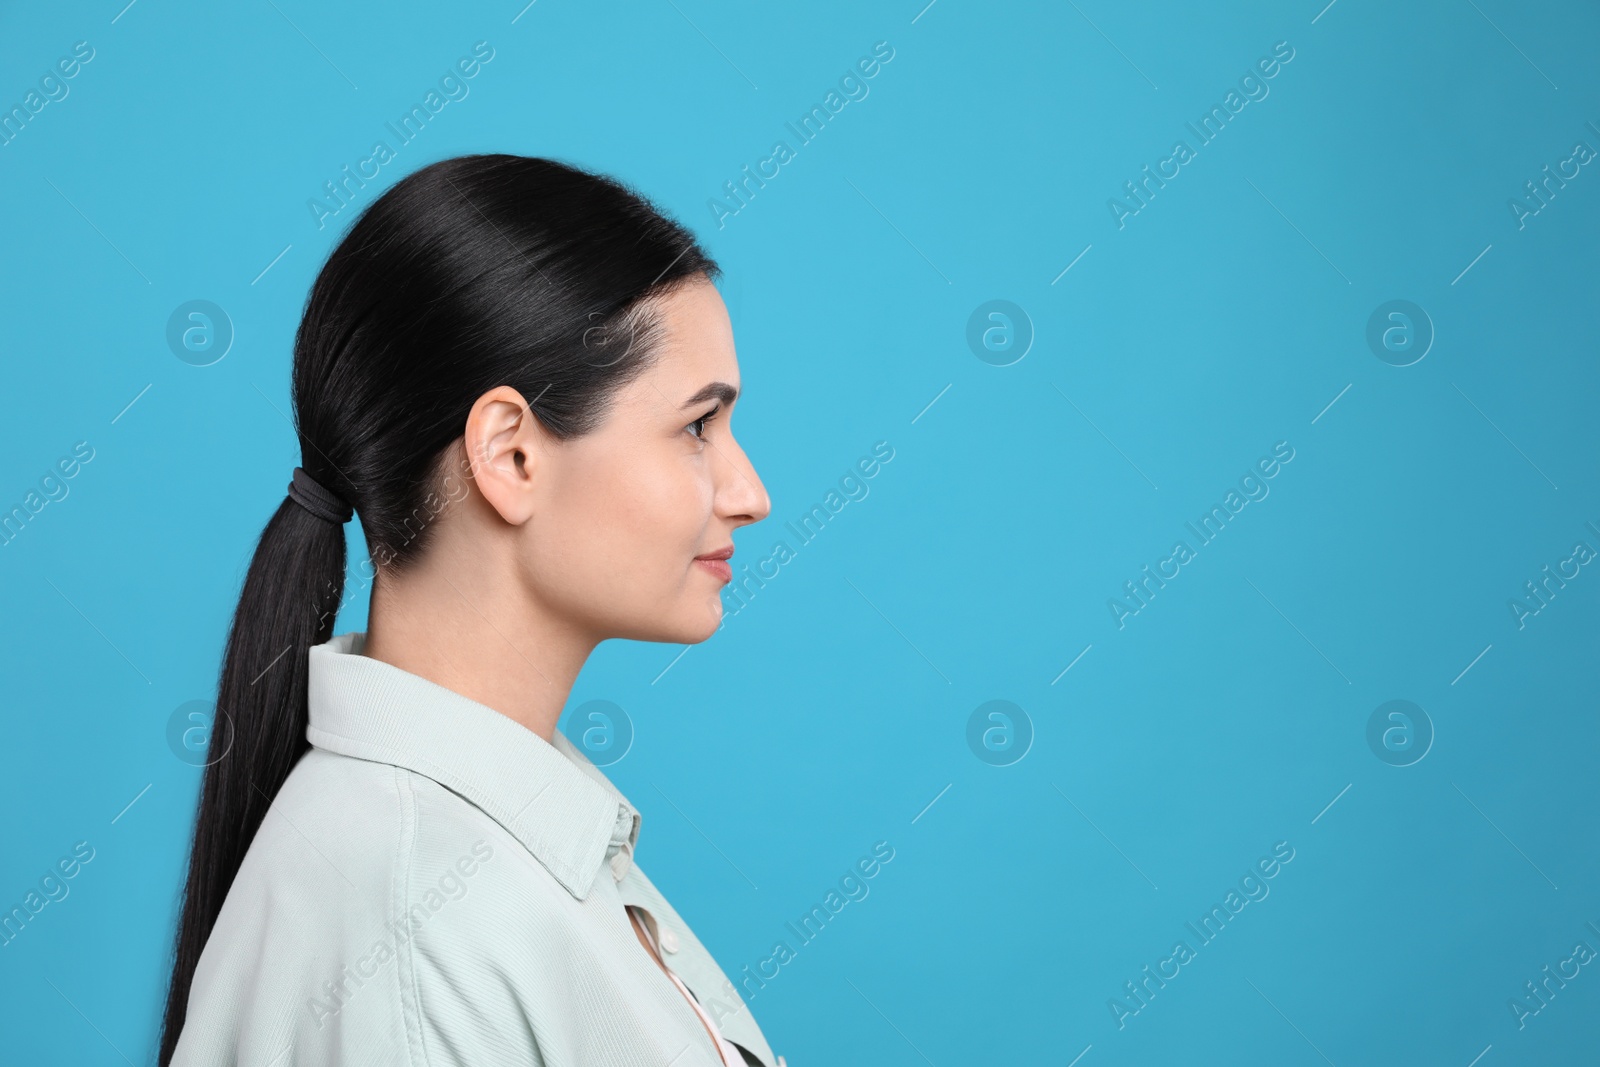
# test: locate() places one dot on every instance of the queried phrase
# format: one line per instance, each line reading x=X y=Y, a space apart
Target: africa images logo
x=1253 y=84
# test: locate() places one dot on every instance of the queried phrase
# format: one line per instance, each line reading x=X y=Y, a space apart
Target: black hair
x=470 y=273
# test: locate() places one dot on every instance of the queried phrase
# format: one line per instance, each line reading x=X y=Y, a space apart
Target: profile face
x=627 y=508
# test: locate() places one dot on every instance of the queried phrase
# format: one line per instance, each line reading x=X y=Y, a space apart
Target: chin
x=690 y=626
x=701 y=621
x=709 y=623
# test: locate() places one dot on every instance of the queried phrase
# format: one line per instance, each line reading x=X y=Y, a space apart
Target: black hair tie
x=309 y=494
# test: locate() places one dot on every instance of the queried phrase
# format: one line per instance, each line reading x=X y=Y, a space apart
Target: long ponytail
x=470 y=273
x=290 y=597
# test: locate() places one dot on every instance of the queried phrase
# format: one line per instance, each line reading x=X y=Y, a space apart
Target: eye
x=701 y=421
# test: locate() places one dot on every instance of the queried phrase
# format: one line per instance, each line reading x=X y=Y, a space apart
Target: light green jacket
x=436 y=885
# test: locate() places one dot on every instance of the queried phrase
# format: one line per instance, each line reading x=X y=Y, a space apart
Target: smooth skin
x=559 y=545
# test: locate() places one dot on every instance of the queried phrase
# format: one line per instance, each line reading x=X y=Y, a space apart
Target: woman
x=520 y=375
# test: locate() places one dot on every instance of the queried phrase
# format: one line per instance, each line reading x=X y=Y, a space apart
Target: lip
x=717 y=562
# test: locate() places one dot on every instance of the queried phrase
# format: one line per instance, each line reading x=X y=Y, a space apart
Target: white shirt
x=436 y=885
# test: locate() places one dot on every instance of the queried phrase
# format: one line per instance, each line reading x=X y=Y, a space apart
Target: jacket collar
x=548 y=795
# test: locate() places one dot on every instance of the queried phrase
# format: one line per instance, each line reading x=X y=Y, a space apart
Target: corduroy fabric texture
x=436 y=885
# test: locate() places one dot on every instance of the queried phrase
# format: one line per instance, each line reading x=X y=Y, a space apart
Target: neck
x=480 y=639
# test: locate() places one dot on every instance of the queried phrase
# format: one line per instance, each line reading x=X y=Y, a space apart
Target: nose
x=741 y=498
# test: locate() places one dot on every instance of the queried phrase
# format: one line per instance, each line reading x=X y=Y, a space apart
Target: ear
x=504 y=443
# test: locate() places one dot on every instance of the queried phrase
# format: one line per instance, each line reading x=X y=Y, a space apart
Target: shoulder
x=335 y=834
x=311 y=950
x=311 y=895
x=378 y=913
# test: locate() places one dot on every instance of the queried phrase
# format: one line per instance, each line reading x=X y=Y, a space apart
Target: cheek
x=663 y=512
x=638 y=522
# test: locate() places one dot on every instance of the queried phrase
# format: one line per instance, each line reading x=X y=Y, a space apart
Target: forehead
x=696 y=341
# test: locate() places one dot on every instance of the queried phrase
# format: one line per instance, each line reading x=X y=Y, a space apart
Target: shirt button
x=669 y=940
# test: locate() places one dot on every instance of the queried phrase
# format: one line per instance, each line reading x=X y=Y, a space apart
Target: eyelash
x=707 y=417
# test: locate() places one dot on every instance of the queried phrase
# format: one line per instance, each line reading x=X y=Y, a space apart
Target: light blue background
x=1227 y=315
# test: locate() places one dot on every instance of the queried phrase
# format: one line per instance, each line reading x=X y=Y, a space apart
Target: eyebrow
x=714 y=391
